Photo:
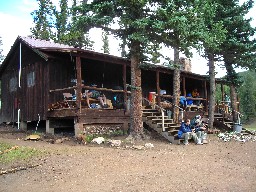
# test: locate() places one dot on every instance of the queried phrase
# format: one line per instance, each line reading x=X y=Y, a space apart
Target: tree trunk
x=136 y=93
x=212 y=91
x=233 y=98
x=233 y=95
x=176 y=87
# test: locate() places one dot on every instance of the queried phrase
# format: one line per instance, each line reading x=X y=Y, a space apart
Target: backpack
x=95 y=94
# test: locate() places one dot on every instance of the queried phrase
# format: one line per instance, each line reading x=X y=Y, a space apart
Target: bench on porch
x=195 y=107
x=68 y=98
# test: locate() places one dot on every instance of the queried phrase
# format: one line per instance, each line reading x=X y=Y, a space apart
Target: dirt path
x=217 y=166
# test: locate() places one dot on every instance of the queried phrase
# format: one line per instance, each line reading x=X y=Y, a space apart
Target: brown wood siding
x=32 y=100
x=8 y=109
x=8 y=98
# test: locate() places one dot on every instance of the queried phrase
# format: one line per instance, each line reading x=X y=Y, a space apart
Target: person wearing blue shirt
x=189 y=101
x=185 y=132
x=183 y=102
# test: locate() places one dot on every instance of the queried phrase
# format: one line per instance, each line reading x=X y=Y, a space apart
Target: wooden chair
x=67 y=96
x=68 y=99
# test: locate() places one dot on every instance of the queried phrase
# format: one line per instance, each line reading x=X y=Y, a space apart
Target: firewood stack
x=61 y=105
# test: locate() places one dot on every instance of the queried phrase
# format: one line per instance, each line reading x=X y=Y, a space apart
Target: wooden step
x=173 y=132
x=169 y=125
x=148 y=113
x=156 y=117
x=176 y=127
x=160 y=120
x=149 y=110
x=228 y=122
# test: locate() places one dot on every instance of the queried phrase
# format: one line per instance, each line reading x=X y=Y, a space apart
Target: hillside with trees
x=247 y=95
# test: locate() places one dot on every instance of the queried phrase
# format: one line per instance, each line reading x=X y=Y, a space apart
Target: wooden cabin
x=37 y=76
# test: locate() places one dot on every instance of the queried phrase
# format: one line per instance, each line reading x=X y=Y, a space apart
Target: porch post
x=79 y=83
x=125 y=87
x=158 y=88
x=206 y=96
x=184 y=86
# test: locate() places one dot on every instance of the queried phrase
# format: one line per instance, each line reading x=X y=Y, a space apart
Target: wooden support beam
x=63 y=89
x=124 y=85
x=158 y=88
x=184 y=86
x=206 y=95
x=79 y=83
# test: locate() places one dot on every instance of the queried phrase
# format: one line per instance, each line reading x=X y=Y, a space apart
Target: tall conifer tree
x=61 y=21
x=43 y=20
x=141 y=22
x=239 y=47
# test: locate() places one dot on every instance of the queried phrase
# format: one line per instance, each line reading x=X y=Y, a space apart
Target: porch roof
x=46 y=50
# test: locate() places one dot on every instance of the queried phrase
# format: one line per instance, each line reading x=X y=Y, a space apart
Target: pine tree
x=239 y=47
x=78 y=35
x=247 y=95
x=43 y=20
x=211 y=40
x=141 y=22
x=61 y=21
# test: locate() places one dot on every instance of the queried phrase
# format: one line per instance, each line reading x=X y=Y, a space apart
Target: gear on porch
x=118 y=98
x=95 y=94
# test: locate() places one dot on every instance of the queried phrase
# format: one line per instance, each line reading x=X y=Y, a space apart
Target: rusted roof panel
x=39 y=43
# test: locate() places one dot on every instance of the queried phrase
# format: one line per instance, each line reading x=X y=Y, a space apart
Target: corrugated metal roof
x=39 y=43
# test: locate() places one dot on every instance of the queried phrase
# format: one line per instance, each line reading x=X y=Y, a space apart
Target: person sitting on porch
x=189 y=101
x=96 y=95
x=195 y=94
x=185 y=132
x=183 y=102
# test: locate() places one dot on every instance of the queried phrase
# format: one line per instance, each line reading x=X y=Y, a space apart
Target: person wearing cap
x=194 y=120
x=185 y=132
x=92 y=93
x=200 y=130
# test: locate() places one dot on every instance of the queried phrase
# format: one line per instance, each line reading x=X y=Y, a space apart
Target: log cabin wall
x=30 y=97
x=33 y=92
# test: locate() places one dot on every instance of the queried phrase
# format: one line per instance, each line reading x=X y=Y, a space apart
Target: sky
x=16 y=20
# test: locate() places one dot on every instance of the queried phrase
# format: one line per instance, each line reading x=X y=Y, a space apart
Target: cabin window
x=13 y=84
x=31 y=79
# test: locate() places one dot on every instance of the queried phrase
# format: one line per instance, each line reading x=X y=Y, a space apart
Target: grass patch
x=251 y=126
x=10 y=153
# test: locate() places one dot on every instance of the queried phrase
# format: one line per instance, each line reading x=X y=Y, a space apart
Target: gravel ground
x=69 y=166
